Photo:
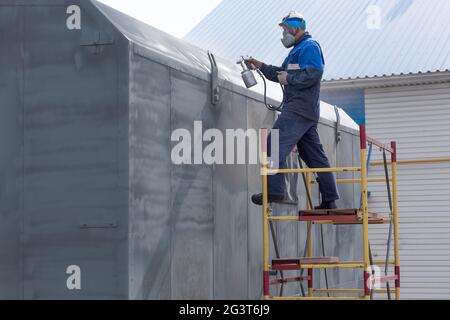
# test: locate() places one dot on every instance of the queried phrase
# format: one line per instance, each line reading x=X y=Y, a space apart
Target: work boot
x=258 y=199
x=327 y=205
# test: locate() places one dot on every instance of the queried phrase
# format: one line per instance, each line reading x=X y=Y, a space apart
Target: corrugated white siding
x=418 y=118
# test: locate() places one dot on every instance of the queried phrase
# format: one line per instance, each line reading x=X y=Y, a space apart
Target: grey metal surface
x=11 y=155
x=71 y=165
x=257 y=117
x=86 y=172
x=191 y=211
x=67 y=153
x=230 y=199
x=150 y=197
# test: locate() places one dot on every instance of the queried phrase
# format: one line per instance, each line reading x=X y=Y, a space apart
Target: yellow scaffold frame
x=365 y=264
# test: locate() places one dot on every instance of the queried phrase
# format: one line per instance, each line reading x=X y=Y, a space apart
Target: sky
x=176 y=17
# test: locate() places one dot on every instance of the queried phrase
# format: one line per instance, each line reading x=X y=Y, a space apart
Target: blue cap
x=294 y=20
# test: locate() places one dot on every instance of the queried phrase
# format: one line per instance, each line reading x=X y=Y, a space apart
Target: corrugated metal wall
x=418 y=118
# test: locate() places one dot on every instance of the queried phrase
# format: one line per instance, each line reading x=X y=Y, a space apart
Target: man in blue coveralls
x=301 y=75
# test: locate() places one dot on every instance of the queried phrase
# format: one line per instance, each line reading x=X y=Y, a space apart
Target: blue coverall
x=298 y=121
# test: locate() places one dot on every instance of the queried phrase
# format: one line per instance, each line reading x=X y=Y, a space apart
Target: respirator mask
x=288 y=39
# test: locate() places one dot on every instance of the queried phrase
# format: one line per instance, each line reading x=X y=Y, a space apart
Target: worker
x=301 y=75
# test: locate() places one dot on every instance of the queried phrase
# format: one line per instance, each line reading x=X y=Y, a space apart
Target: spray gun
x=250 y=81
x=247 y=74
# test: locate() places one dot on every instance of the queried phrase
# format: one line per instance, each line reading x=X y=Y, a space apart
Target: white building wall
x=418 y=118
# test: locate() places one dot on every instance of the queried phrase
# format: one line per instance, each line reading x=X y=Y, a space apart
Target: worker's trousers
x=295 y=130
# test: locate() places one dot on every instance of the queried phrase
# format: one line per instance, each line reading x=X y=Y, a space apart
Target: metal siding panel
x=346 y=190
x=257 y=117
x=11 y=153
x=150 y=165
x=192 y=216
x=230 y=201
x=416 y=118
x=71 y=163
x=347 y=241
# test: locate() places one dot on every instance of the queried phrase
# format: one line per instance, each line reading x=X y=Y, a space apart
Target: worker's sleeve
x=270 y=72
x=311 y=64
x=304 y=79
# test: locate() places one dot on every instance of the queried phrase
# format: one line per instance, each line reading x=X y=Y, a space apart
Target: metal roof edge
x=388 y=81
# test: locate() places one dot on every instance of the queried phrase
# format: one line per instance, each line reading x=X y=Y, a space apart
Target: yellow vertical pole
x=365 y=210
x=395 y=209
x=310 y=241
x=266 y=278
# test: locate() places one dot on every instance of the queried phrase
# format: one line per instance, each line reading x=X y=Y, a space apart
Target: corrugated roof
x=414 y=35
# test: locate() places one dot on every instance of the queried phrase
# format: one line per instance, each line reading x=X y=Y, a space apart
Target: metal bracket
x=98 y=225
x=215 y=90
x=338 y=125
x=95 y=41
x=96 y=36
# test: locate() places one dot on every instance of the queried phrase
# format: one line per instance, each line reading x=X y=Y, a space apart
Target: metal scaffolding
x=359 y=216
